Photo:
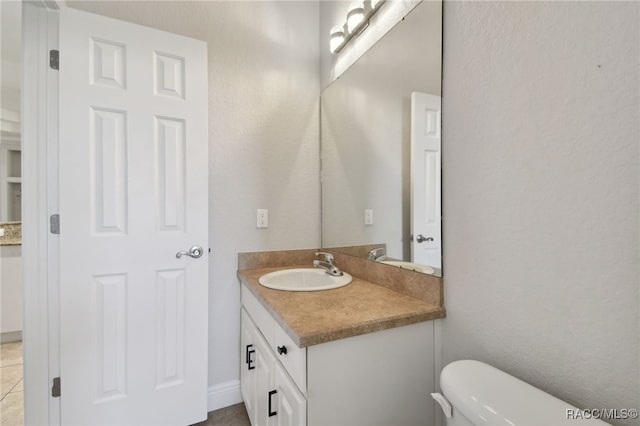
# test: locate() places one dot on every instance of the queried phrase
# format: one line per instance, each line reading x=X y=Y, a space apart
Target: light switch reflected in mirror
x=381 y=142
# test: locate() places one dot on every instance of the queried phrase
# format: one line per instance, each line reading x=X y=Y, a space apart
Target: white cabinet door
x=133 y=192
x=265 y=364
x=248 y=376
x=290 y=405
x=256 y=374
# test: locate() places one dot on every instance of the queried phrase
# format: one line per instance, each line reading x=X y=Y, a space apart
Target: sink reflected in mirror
x=303 y=279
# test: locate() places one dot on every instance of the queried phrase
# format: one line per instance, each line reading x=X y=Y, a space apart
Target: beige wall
x=263 y=136
x=541 y=194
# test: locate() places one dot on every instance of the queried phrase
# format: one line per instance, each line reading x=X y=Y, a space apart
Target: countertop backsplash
x=12 y=233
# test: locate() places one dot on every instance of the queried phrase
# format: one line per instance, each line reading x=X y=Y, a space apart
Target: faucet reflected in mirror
x=380 y=148
x=379 y=253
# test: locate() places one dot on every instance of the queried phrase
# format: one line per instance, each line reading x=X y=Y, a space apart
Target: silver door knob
x=421 y=238
x=195 y=252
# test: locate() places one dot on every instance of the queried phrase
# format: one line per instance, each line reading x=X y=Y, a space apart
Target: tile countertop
x=315 y=317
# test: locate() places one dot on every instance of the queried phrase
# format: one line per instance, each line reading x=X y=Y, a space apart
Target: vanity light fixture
x=358 y=16
x=336 y=38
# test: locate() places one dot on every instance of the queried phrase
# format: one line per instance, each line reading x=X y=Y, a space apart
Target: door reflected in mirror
x=381 y=138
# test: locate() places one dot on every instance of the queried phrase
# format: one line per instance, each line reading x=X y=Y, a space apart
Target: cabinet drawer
x=262 y=319
x=293 y=358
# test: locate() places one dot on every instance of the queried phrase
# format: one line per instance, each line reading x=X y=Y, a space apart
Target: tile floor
x=12 y=394
x=235 y=415
x=11 y=385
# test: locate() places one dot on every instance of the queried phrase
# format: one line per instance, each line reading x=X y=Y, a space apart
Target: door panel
x=133 y=192
x=426 y=172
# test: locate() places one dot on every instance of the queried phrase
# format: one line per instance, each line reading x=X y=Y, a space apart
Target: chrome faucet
x=377 y=254
x=327 y=264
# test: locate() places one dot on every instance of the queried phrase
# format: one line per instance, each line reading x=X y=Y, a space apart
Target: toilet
x=475 y=393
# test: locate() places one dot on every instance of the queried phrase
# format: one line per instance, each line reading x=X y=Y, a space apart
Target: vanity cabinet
x=10 y=293
x=270 y=395
x=379 y=378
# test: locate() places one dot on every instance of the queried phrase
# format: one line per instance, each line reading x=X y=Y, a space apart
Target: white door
x=133 y=192
x=426 y=226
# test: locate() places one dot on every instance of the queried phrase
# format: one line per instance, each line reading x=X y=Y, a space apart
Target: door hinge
x=55 y=389
x=54 y=224
x=54 y=59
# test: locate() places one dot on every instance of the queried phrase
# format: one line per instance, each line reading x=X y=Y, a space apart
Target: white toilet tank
x=476 y=393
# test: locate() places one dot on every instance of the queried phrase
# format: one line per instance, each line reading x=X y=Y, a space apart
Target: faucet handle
x=328 y=257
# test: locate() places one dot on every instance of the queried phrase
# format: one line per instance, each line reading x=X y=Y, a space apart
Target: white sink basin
x=303 y=279
x=410 y=265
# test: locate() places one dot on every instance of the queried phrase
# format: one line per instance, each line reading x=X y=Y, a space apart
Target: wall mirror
x=380 y=146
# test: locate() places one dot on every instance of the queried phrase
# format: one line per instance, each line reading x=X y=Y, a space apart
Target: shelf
x=14 y=202
x=10 y=181
x=14 y=158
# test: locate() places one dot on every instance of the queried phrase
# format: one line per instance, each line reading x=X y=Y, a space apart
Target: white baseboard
x=223 y=395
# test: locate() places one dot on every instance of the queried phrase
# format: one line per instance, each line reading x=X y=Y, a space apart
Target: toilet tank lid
x=488 y=396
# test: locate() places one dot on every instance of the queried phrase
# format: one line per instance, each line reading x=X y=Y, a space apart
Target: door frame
x=40 y=199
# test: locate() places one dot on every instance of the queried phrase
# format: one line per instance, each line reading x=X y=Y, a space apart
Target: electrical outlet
x=262 y=218
x=368 y=217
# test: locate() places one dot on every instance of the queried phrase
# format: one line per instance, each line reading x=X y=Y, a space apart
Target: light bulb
x=336 y=38
x=355 y=15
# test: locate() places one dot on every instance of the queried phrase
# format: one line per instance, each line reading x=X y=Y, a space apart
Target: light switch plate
x=368 y=217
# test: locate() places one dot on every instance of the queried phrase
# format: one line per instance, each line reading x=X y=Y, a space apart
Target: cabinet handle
x=282 y=350
x=272 y=413
x=248 y=360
